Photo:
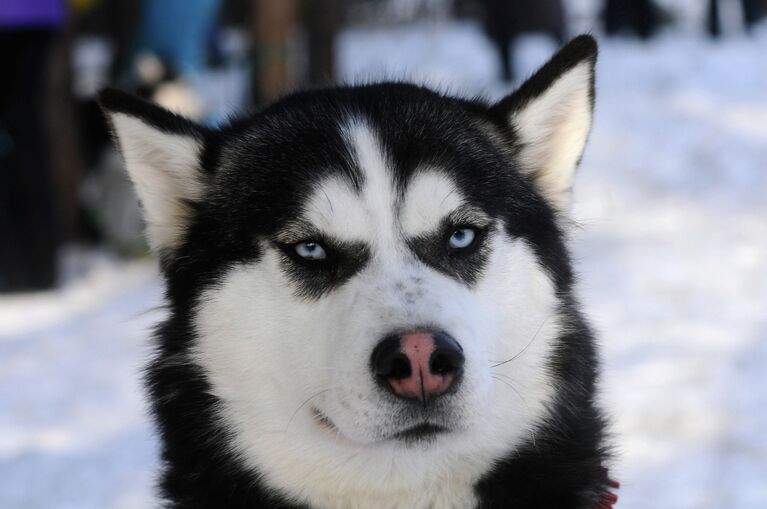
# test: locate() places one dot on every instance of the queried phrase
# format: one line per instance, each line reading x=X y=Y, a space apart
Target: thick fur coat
x=293 y=240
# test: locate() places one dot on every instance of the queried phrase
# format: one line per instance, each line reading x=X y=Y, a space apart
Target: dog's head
x=374 y=269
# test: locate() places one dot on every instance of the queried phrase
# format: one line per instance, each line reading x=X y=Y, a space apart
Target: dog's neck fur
x=448 y=494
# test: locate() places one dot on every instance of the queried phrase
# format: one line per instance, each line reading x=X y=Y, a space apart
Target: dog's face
x=373 y=275
x=399 y=237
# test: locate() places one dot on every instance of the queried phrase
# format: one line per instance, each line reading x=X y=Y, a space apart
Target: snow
x=671 y=211
x=73 y=431
x=673 y=208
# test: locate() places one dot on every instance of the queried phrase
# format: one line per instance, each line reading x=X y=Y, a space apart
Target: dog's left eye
x=462 y=238
x=310 y=251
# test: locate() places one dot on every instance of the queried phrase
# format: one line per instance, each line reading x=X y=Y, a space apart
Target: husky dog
x=371 y=300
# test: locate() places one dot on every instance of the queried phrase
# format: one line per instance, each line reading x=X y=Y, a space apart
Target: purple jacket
x=31 y=13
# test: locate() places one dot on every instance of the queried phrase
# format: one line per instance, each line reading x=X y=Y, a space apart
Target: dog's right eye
x=310 y=251
x=461 y=238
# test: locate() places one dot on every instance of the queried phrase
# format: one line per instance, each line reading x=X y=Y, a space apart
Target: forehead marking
x=378 y=188
x=373 y=213
x=368 y=214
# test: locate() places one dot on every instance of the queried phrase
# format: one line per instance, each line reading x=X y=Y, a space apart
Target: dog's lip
x=423 y=431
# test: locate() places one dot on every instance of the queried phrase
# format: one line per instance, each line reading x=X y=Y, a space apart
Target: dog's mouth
x=423 y=432
x=420 y=433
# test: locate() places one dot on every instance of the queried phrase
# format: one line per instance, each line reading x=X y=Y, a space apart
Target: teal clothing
x=177 y=31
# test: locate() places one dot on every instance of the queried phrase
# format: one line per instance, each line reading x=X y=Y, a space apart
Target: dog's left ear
x=550 y=118
x=162 y=153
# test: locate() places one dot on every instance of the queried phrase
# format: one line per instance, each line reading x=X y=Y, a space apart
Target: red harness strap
x=609 y=499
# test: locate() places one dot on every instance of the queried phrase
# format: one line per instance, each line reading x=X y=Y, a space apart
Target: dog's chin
x=422 y=434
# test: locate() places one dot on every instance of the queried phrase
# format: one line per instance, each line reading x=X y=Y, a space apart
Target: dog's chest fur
x=450 y=494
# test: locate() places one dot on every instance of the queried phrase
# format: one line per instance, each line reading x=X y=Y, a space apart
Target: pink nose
x=418 y=365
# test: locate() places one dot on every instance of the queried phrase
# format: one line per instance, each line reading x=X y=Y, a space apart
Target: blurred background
x=671 y=208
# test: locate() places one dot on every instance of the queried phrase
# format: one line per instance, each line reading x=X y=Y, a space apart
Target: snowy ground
x=672 y=203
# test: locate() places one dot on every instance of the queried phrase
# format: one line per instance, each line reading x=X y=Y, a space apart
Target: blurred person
x=753 y=11
x=322 y=20
x=28 y=235
x=272 y=26
x=506 y=19
x=170 y=51
x=178 y=31
x=637 y=17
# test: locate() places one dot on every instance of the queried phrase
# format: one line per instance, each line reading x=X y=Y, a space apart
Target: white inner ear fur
x=165 y=170
x=553 y=128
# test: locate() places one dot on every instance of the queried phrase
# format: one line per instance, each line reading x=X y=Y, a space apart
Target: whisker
x=287 y=428
x=535 y=336
x=448 y=195
x=327 y=198
x=501 y=375
x=511 y=386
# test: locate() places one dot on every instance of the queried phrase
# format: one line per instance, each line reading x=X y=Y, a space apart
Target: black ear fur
x=580 y=49
x=116 y=101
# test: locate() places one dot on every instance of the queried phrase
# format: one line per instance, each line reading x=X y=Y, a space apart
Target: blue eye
x=310 y=251
x=462 y=238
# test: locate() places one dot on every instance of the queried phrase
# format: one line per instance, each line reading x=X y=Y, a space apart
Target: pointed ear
x=550 y=118
x=162 y=154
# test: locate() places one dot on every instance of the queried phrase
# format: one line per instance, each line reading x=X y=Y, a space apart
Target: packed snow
x=670 y=238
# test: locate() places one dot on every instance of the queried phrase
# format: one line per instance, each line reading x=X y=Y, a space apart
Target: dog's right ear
x=550 y=116
x=162 y=154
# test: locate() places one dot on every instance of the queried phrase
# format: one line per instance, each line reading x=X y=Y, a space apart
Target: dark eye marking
x=318 y=264
x=456 y=248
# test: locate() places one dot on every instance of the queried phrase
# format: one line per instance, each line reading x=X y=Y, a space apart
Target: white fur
x=430 y=197
x=378 y=191
x=272 y=356
x=553 y=128
x=165 y=170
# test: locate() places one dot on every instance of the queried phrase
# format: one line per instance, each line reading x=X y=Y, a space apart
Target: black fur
x=315 y=278
x=258 y=171
x=463 y=264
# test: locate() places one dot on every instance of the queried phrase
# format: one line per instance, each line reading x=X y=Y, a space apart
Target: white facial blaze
x=341 y=211
x=553 y=128
x=378 y=191
x=273 y=357
x=165 y=171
